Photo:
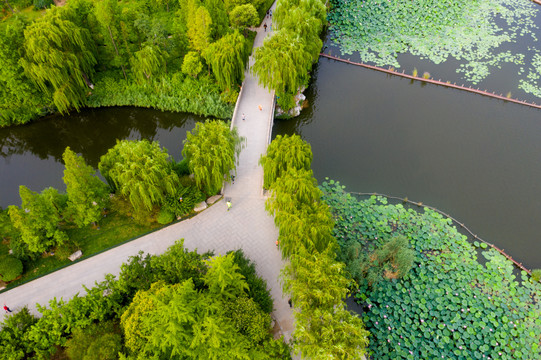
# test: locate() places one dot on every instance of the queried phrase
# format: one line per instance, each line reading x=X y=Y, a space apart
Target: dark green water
x=476 y=158
x=31 y=155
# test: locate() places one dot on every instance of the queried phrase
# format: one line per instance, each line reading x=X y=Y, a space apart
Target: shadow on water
x=31 y=155
x=473 y=157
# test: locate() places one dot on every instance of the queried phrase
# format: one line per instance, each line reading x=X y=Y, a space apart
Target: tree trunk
x=116 y=50
x=9 y=6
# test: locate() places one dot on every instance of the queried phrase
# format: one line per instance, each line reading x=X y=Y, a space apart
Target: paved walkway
x=245 y=226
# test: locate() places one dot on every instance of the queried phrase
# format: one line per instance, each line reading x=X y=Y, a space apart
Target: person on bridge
x=228 y=205
x=243 y=117
x=7 y=310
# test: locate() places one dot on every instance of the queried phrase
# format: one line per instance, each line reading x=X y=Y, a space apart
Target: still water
x=31 y=155
x=475 y=158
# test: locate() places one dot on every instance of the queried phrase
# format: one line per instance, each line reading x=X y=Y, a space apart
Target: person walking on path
x=229 y=205
x=6 y=309
x=243 y=117
x=265 y=26
x=260 y=107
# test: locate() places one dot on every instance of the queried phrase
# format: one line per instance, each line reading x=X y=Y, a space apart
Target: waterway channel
x=473 y=157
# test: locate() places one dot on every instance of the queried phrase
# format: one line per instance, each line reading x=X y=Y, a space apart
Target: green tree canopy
x=37 y=219
x=199 y=29
x=227 y=57
x=223 y=278
x=147 y=62
x=243 y=16
x=59 y=56
x=282 y=62
x=191 y=65
x=285 y=152
x=87 y=194
x=140 y=171
x=20 y=100
x=212 y=150
x=218 y=14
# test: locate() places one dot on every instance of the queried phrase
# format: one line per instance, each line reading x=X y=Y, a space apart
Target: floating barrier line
x=517 y=264
x=436 y=82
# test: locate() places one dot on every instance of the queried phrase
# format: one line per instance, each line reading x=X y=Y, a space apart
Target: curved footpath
x=245 y=226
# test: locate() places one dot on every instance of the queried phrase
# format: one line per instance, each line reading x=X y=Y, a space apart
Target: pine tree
x=87 y=194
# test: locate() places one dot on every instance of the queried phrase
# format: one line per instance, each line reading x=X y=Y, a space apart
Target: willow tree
x=147 y=62
x=211 y=150
x=141 y=172
x=20 y=99
x=306 y=27
x=227 y=57
x=59 y=58
x=87 y=194
x=285 y=152
x=282 y=62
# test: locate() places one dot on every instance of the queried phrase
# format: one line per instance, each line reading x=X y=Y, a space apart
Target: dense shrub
x=100 y=341
x=10 y=268
x=257 y=286
x=42 y=4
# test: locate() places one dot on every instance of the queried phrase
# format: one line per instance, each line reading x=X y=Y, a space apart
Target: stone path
x=245 y=226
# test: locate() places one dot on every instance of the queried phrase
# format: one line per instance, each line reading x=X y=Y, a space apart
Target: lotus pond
x=451 y=305
x=475 y=38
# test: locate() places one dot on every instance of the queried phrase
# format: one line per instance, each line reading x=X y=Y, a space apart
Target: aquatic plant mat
x=449 y=305
x=477 y=37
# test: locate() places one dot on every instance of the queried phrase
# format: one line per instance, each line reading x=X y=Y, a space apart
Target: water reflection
x=473 y=157
x=31 y=155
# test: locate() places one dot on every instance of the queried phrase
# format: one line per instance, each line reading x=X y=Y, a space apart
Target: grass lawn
x=114 y=229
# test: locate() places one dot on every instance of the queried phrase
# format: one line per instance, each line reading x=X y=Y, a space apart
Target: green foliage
x=391 y=260
x=282 y=63
x=257 y=287
x=249 y=319
x=165 y=217
x=243 y=16
x=218 y=14
x=285 y=152
x=140 y=171
x=285 y=101
x=43 y=4
x=184 y=201
x=10 y=268
x=314 y=279
x=199 y=29
x=200 y=96
x=475 y=33
x=176 y=320
x=87 y=194
x=60 y=318
x=191 y=65
x=536 y=275
x=227 y=57
x=20 y=100
x=37 y=219
x=223 y=278
x=284 y=60
x=147 y=62
x=12 y=336
x=472 y=310
x=101 y=341
x=59 y=55
x=211 y=150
